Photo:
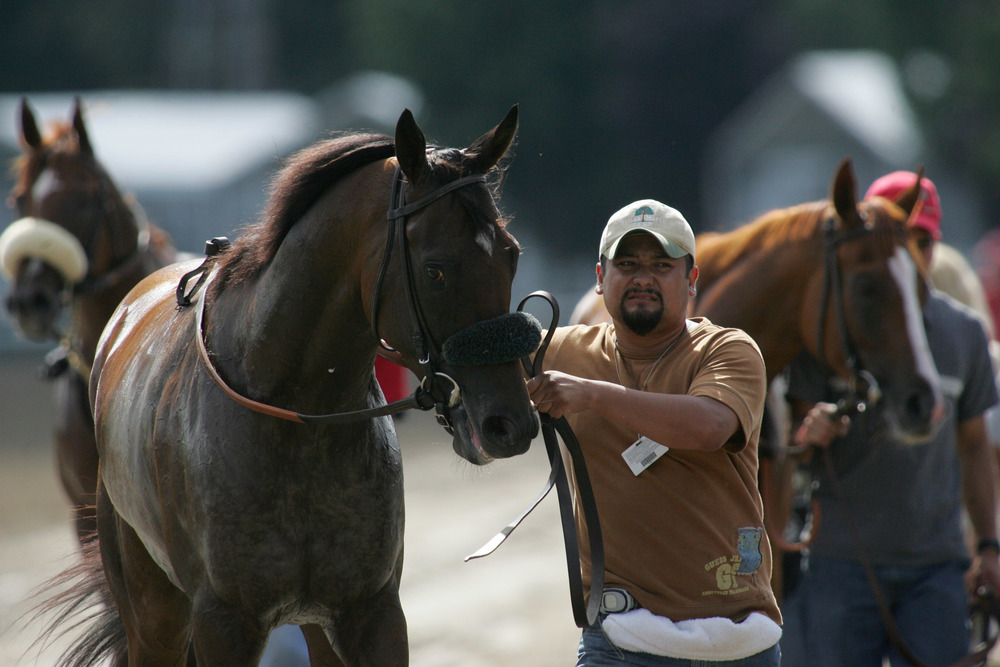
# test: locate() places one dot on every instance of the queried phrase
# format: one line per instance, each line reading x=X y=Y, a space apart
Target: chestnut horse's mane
x=775 y=228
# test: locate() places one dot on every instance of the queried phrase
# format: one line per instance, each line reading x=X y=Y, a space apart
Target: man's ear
x=692 y=281
x=600 y=280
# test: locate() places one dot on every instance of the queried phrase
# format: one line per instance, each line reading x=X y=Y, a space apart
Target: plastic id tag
x=643 y=453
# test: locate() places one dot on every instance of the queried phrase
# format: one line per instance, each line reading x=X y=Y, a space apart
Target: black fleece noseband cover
x=496 y=341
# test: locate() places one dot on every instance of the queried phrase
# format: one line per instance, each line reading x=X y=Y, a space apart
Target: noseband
x=501 y=339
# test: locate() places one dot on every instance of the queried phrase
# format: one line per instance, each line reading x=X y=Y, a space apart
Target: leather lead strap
x=584 y=612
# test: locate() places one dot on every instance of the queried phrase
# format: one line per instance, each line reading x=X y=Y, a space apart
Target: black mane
x=295 y=188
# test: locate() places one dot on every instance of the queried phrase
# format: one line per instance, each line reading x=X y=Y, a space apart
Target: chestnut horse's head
x=73 y=224
x=869 y=321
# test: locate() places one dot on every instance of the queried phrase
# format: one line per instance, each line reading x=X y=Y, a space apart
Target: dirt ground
x=511 y=608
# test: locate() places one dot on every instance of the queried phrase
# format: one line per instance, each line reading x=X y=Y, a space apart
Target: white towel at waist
x=697 y=639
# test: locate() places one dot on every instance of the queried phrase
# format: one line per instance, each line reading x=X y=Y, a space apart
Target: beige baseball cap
x=648 y=215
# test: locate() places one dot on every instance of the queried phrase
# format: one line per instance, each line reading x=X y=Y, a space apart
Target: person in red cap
x=898 y=507
x=925 y=220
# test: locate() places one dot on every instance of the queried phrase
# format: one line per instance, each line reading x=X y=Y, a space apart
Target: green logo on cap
x=642 y=211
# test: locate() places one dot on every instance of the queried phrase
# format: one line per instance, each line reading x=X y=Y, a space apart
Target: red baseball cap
x=927 y=213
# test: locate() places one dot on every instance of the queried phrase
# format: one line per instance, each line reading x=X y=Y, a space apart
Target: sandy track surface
x=511 y=608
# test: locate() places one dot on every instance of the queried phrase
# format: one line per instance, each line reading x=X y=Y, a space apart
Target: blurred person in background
x=898 y=506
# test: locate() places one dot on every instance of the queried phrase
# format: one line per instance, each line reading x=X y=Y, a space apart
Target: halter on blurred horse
x=218 y=522
x=79 y=246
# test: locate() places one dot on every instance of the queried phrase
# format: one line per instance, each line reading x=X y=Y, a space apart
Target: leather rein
x=585 y=612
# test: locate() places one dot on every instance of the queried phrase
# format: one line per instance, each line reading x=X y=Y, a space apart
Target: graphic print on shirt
x=746 y=560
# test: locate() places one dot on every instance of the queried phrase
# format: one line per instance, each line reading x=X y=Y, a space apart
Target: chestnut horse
x=79 y=246
x=224 y=508
x=835 y=277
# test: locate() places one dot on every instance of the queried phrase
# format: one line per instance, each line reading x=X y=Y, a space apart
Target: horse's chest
x=312 y=529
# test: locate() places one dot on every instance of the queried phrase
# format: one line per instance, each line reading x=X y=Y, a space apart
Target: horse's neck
x=301 y=327
x=763 y=293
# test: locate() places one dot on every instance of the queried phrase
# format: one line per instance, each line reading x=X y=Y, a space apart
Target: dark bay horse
x=79 y=246
x=218 y=520
x=835 y=277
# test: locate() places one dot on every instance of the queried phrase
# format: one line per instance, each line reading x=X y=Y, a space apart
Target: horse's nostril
x=499 y=428
x=40 y=302
x=508 y=434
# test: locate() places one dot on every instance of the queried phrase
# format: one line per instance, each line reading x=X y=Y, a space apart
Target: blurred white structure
x=782 y=146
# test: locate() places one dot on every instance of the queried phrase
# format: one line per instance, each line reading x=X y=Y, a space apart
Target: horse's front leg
x=76 y=451
x=321 y=653
x=373 y=632
x=225 y=635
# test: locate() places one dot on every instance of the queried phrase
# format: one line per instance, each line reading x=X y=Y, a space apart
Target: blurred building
x=782 y=146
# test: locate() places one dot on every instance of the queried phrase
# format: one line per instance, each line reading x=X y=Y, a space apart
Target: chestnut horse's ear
x=486 y=151
x=30 y=135
x=411 y=147
x=81 y=130
x=908 y=198
x=844 y=195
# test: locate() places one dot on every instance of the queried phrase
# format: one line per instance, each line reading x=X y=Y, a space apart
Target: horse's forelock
x=59 y=143
x=888 y=222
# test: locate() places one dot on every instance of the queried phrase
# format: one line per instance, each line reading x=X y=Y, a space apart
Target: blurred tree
x=617 y=99
x=948 y=53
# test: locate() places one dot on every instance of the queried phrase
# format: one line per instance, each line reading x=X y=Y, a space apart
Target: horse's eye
x=435 y=274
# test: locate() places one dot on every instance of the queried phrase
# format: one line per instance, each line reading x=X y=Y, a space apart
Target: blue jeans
x=832 y=619
x=596 y=651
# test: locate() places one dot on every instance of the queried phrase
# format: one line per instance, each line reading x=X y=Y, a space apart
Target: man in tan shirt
x=667 y=410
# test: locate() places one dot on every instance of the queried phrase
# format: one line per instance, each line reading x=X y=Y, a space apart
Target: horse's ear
x=487 y=150
x=81 y=129
x=30 y=135
x=844 y=193
x=411 y=147
x=909 y=197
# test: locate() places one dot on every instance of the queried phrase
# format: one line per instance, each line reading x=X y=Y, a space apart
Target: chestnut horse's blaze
x=218 y=523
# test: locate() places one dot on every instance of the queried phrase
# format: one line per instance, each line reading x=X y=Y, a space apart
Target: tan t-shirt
x=686 y=535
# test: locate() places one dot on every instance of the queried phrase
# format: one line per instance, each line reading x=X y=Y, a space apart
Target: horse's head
x=873 y=289
x=454 y=291
x=66 y=204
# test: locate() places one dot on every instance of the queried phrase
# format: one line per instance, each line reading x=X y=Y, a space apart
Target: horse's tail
x=78 y=599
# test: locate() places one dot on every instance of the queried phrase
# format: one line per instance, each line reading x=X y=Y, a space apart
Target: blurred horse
x=77 y=249
x=222 y=512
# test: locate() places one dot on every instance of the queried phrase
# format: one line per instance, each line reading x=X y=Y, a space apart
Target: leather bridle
x=437 y=389
x=863 y=388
